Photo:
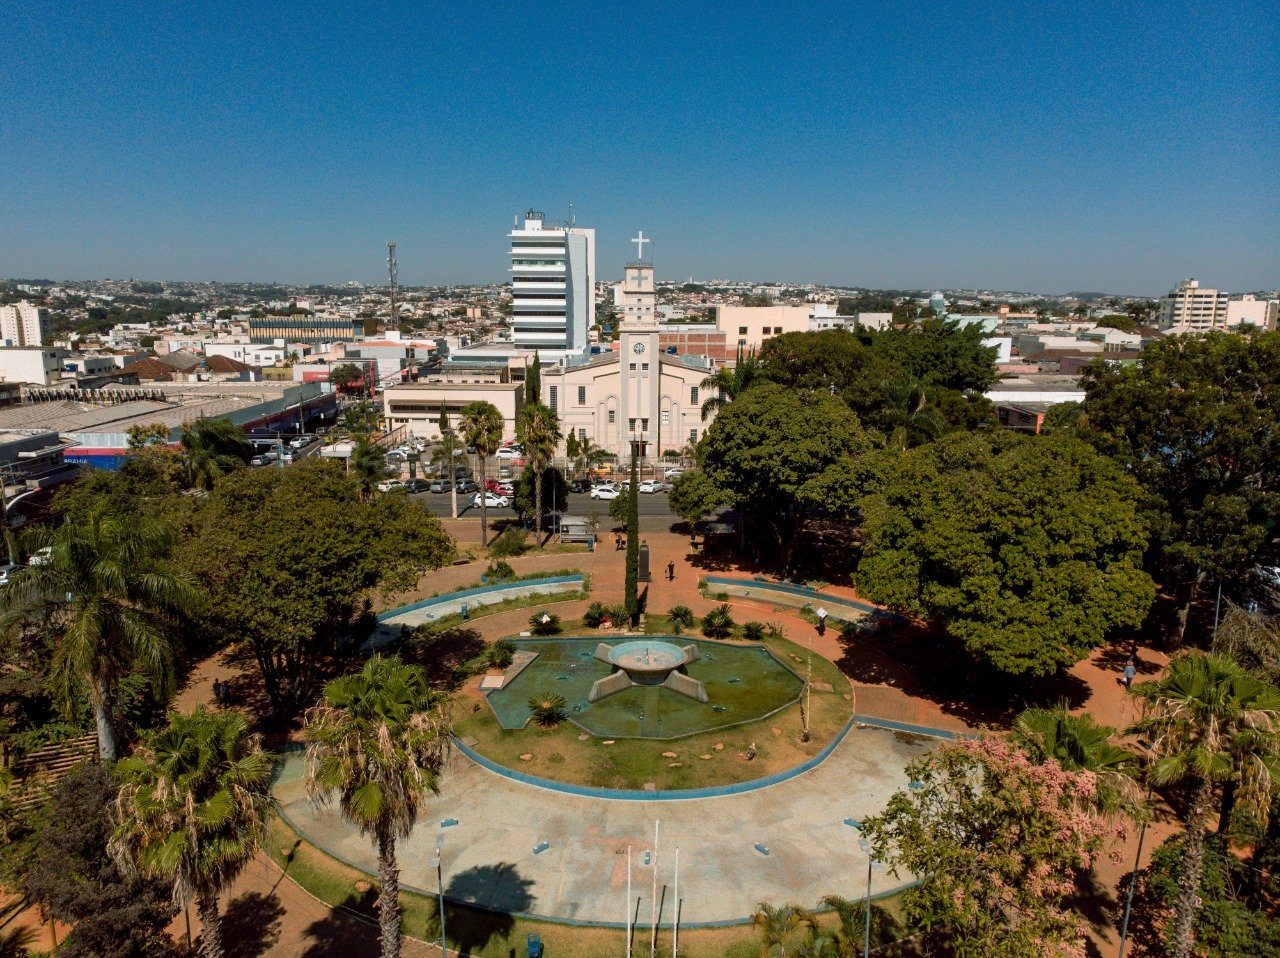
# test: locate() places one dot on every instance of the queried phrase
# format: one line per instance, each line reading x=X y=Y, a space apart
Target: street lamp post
x=871 y=864
x=1133 y=878
x=444 y=942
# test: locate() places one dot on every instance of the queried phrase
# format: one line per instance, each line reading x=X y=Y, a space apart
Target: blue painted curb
x=482 y=590
x=804 y=592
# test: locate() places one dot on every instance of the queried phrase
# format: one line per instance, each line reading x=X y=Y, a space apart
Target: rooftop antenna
x=394 y=272
x=572 y=221
x=515 y=221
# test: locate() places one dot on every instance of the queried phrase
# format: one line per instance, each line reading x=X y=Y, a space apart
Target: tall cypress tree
x=533 y=381
x=633 y=543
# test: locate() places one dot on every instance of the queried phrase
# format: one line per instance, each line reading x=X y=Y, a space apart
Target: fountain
x=647 y=662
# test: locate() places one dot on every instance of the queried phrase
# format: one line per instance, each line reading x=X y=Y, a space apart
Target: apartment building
x=553 y=288
x=1192 y=308
x=24 y=324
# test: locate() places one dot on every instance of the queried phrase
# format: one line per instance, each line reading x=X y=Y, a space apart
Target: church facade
x=636 y=392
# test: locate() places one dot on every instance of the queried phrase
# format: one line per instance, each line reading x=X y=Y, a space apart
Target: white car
x=6 y=573
x=653 y=485
x=390 y=485
x=41 y=556
x=673 y=472
x=491 y=500
x=604 y=492
x=510 y=452
x=301 y=442
x=259 y=461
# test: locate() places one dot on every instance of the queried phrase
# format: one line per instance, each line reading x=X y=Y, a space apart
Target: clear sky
x=1061 y=146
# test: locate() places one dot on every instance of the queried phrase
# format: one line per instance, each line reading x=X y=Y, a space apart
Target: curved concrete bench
x=797 y=597
x=452 y=603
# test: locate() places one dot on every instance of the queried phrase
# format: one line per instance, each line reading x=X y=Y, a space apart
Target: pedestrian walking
x=1130 y=670
x=671 y=571
x=617 y=543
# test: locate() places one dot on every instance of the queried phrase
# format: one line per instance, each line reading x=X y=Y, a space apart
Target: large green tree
x=115 y=603
x=192 y=810
x=1026 y=549
x=378 y=739
x=1197 y=423
x=694 y=495
x=1209 y=722
x=291 y=559
x=774 y=452
x=481 y=427
x=538 y=430
x=729 y=382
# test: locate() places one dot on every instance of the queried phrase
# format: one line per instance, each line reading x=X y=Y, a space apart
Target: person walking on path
x=671 y=572
x=1130 y=670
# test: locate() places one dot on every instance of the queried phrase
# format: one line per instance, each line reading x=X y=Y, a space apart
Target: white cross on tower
x=640 y=241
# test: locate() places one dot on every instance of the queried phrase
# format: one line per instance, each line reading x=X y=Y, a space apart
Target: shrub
x=545 y=623
x=548 y=710
x=594 y=615
x=754 y=631
x=773 y=630
x=512 y=542
x=718 y=623
x=674 y=627
x=500 y=571
x=499 y=654
x=681 y=614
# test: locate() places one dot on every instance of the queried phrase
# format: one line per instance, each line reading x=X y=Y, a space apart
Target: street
x=580 y=504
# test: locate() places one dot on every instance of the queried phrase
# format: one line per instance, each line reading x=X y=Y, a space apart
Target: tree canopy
x=290 y=558
x=776 y=452
x=1026 y=549
x=1197 y=423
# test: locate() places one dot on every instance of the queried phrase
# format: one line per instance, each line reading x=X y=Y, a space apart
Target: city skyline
x=1018 y=149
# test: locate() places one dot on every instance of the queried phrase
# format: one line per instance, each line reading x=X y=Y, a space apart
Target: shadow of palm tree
x=251 y=924
x=496 y=891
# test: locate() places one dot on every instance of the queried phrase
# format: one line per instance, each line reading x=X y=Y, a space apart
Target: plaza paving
x=581 y=875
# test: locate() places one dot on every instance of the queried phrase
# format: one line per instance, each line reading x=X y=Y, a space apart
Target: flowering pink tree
x=997 y=843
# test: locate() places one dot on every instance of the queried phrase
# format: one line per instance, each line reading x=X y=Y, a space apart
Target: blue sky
x=1116 y=146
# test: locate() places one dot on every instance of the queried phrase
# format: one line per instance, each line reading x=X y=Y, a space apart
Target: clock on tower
x=638 y=348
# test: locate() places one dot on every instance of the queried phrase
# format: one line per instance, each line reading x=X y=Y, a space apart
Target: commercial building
x=309 y=328
x=1249 y=310
x=1192 y=308
x=553 y=288
x=24 y=324
x=31 y=364
x=417 y=406
x=747 y=327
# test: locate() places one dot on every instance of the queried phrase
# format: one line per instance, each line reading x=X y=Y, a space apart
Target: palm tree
x=776 y=925
x=1078 y=743
x=539 y=433
x=116 y=604
x=192 y=810
x=728 y=384
x=909 y=420
x=379 y=738
x=1209 y=721
x=482 y=430
x=210 y=449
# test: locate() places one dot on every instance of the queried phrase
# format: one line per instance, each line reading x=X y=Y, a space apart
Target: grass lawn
x=560 y=753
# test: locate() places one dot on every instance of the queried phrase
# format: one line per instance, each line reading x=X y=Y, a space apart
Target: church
x=637 y=392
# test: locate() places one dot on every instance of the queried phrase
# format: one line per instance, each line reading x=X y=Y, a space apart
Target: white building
x=1191 y=308
x=1253 y=311
x=747 y=327
x=553 y=289
x=31 y=364
x=24 y=324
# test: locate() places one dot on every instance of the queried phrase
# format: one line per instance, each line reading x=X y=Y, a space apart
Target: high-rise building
x=24 y=324
x=1192 y=308
x=553 y=288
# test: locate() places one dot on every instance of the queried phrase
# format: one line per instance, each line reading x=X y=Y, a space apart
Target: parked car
x=287 y=456
x=259 y=461
x=604 y=492
x=301 y=442
x=580 y=485
x=41 y=556
x=673 y=472
x=390 y=485
x=505 y=489
x=6 y=573
x=510 y=452
x=491 y=500
x=441 y=485
x=653 y=485
x=416 y=485
x=395 y=455
x=468 y=485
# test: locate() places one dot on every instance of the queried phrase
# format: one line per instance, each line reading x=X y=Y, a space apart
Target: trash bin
x=464 y=612
x=533 y=946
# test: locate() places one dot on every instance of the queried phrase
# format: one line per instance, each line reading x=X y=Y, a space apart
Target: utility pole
x=653 y=934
